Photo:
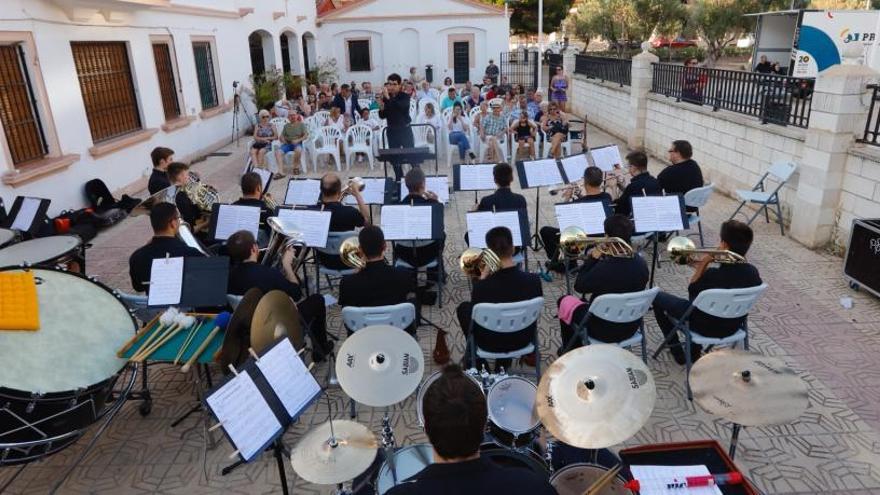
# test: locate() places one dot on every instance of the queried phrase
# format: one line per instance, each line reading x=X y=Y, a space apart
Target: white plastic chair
x=374 y=114
x=720 y=303
x=413 y=108
x=397 y=315
x=420 y=137
x=364 y=102
x=504 y=318
x=381 y=141
x=566 y=145
x=697 y=198
x=334 y=240
x=780 y=172
x=321 y=116
x=617 y=308
x=502 y=145
x=329 y=137
x=358 y=139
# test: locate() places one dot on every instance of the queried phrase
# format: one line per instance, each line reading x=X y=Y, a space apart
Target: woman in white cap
x=264 y=134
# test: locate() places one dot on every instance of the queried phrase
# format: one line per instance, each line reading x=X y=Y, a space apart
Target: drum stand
x=734 y=440
x=198 y=407
x=279 y=451
x=389 y=444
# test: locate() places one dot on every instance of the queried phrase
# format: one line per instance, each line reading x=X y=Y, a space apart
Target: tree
x=634 y=20
x=524 y=19
x=721 y=22
x=842 y=4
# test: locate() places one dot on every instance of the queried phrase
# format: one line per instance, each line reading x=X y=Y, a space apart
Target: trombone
x=350 y=253
x=682 y=250
x=473 y=260
x=574 y=242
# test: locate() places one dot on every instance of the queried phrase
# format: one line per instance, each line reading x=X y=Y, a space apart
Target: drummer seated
x=343 y=218
x=165 y=220
x=509 y=284
x=455 y=419
x=377 y=283
x=736 y=236
x=604 y=275
x=252 y=195
x=423 y=254
x=245 y=274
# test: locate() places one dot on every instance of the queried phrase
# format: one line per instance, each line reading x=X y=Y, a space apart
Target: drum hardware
x=473 y=261
x=55 y=251
x=332 y=380
x=512 y=421
x=574 y=242
x=682 y=250
x=589 y=479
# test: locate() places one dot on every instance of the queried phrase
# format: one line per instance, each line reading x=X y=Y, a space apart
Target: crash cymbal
x=596 y=396
x=164 y=196
x=236 y=339
x=317 y=460
x=379 y=365
x=747 y=388
x=276 y=315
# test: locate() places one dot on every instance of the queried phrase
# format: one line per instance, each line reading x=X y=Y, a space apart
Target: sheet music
x=166 y=281
x=245 y=415
x=314 y=224
x=480 y=222
x=303 y=192
x=574 y=166
x=437 y=185
x=288 y=377
x=26 y=214
x=589 y=216
x=265 y=176
x=373 y=193
x=404 y=222
x=476 y=177
x=232 y=218
x=653 y=480
x=606 y=157
x=542 y=173
x=657 y=213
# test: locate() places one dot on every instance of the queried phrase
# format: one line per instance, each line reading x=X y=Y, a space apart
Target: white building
x=372 y=38
x=89 y=87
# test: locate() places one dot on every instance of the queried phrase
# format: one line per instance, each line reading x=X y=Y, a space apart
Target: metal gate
x=554 y=60
x=520 y=67
x=461 y=58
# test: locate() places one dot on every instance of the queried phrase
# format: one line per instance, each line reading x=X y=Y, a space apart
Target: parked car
x=625 y=45
x=678 y=42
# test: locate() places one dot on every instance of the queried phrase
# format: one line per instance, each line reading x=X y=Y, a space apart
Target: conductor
x=394 y=108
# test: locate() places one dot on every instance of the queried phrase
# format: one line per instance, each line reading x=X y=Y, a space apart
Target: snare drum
x=56 y=380
x=424 y=388
x=408 y=461
x=6 y=236
x=513 y=417
x=575 y=479
x=51 y=251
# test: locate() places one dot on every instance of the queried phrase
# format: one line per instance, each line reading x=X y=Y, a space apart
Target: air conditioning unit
x=861 y=267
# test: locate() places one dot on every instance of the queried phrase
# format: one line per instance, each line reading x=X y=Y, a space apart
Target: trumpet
x=353 y=183
x=682 y=250
x=473 y=260
x=282 y=238
x=350 y=252
x=271 y=204
x=575 y=188
x=574 y=242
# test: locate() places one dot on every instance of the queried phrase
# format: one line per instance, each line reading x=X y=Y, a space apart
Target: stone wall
x=605 y=104
x=860 y=194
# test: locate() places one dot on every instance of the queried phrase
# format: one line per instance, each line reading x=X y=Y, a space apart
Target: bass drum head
x=575 y=479
x=423 y=388
x=38 y=251
x=511 y=404
x=520 y=458
x=408 y=462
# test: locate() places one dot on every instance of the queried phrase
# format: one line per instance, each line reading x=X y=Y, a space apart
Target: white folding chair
x=779 y=172
x=397 y=315
x=358 y=139
x=334 y=240
x=720 y=303
x=504 y=318
x=329 y=137
x=617 y=308
x=697 y=198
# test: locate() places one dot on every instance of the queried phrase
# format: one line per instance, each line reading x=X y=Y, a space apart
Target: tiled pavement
x=833 y=448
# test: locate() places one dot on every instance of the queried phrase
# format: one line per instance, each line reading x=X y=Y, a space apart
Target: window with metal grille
x=359 y=55
x=167 y=82
x=107 y=88
x=205 y=74
x=18 y=108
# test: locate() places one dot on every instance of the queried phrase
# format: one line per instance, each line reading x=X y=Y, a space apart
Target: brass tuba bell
x=473 y=260
x=350 y=253
x=574 y=242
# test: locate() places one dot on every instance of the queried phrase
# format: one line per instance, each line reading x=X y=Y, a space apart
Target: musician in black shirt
x=503 y=199
x=641 y=183
x=178 y=173
x=165 y=221
x=736 y=236
x=246 y=274
x=592 y=191
x=161 y=157
x=343 y=218
x=377 y=283
x=423 y=254
x=455 y=419
x=684 y=174
x=252 y=195
x=603 y=274
x=394 y=108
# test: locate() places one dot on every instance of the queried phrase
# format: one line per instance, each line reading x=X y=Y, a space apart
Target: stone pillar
x=838 y=114
x=641 y=77
x=568 y=60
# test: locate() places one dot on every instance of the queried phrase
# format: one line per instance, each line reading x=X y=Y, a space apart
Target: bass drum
x=56 y=380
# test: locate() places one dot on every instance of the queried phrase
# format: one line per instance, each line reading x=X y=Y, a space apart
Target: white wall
x=860 y=194
x=53 y=30
x=605 y=104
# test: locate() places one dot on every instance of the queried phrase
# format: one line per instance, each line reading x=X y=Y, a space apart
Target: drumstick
x=221 y=320
x=187 y=322
x=157 y=336
x=200 y=350
x=192 y=333
x=603 y=481
x=167 y=318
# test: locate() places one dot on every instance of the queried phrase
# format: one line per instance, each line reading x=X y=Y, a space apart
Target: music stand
x=372 y=196
x=579 y=214
x=32 y=212
x=546 y=175
x=478 y=178
x=655 y=214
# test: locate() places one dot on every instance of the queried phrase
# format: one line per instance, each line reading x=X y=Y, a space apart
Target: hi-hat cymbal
x=596 y=396
x=164 y=196
x=379 y=365
x=318 y=461
x=747 y=388
x=276 y=315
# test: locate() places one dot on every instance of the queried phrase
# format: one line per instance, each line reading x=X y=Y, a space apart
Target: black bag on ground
x=102 y=200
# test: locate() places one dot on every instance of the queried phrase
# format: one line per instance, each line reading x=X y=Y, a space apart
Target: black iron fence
x=872 y=123
x=521 y=67
x=774 y=99
x=617 y=70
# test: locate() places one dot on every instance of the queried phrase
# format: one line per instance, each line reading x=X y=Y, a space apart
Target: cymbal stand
x=536 y=242
x=548 y=452
x=388 y=445
x=734 y=440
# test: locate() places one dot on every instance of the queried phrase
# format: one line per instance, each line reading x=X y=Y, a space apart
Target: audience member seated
x=555 y=127
x=165 y=221
x=459 y=128
x=347 y=102
x=264 y=134
x=451 y=98
x=294 y=134
x=493 y=128
x=524 y=131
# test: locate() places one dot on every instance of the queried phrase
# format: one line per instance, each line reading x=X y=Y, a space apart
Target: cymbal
x=276 y=315
x=236 y=339
x=596 y=396
x=316 y=461
x=163 y=196
x=379 y=365
x=747 y=388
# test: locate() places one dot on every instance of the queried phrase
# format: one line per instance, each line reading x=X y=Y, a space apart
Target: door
x=18 y=112
x=461 y=56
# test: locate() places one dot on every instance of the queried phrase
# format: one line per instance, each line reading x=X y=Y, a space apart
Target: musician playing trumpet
x=343 y=218
x=252 y=195
x=641 y=183
x=603 y=273
x=423 y=254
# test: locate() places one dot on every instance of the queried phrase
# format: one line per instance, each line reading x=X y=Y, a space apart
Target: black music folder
x=2 y=212
x=202 y=282
x=540 y=173
x=27 y=214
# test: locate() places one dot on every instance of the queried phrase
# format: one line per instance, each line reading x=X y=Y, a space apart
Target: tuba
x=350 y=253
x=202 y=195
x=282 y=238
x=473 y=260
x=574 y=242
x=681 y=251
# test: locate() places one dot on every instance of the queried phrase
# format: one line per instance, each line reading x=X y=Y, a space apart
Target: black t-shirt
x=502 y=199
x=247 y=275
x=476 y=477
x=158 y=181
x=343 y=218
x=505 y=285
x=377 y=284
x=612 y=275
x=724 y=276
x=681 y=177
x=141 y=261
